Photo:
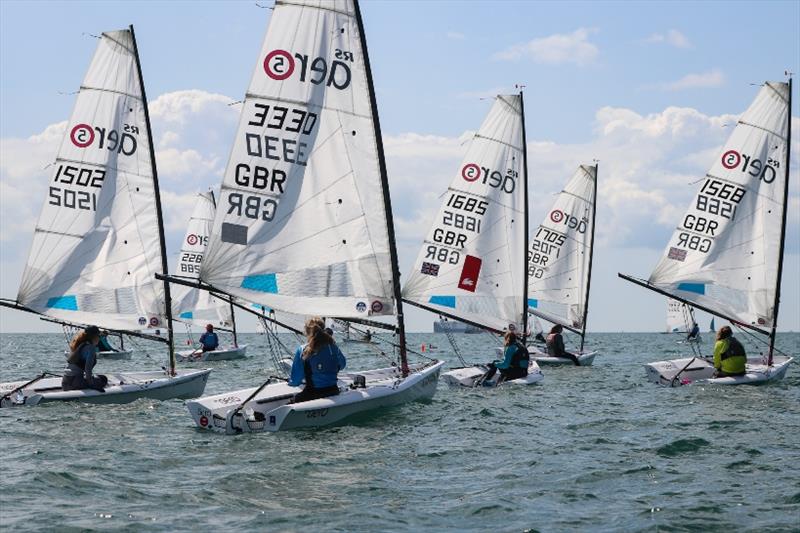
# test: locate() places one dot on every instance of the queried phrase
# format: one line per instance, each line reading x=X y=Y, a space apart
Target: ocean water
x=595 y=449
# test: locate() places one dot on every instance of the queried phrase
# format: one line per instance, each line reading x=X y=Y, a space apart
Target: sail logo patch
x=429 y=269
x=732 y=160
x=280 y=65
x=376 y=306
x=570 y=221
x=556 y=216
x=471 y=172
x=495 y=179
x=361 y=307
x=469 y=273
x=82 y=135
x=124 y=142
x=677 y=254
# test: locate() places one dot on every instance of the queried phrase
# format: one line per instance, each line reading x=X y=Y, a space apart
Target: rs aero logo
x=84 y=136
x=281 y=65
x=570 y=221
x=733 y=160
x=472 y=172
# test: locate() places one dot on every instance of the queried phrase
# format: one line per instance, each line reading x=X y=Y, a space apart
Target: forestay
x=300 y=225
x=96 y=246
x=560 y=252
x=725 y=252
x=194 y=306
x=472 y=264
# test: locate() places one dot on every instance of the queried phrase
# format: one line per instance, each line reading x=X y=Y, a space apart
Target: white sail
x=725 y=251
x=194 y=306
x=560 y=250
x=676 y=320
x=472 y=264
x=96 y=247
x=301 y=225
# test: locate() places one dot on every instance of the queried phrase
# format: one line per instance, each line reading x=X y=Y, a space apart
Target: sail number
x=190 y=262
x=461 y=221
x=546 y=246
x=467 y=203
x=718 y=199
x=442 y=255
x=87 y=178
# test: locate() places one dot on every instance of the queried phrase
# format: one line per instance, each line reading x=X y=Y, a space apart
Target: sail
x=560 y=251
x=472 y=263
x=725 y=251
x=189 y=305
x=301 y=225
x=96 y=246
x=676 y=321
x=712 y=327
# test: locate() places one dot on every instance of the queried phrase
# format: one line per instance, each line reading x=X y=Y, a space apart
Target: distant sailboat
x=99 y=239
x=305 y=222
x=726 y=255
x=711 y=327
x=198 y=308
x=472 y=265
x=560 y=263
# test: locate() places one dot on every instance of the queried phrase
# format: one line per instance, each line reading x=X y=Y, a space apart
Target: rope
x=452 y=340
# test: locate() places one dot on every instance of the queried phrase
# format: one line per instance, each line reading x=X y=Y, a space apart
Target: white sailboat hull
x=123 y=387
x=542 y=359
x=118 y=355
x=222 y=354
x=700 y=371
x=469 y=376
x=270 y=409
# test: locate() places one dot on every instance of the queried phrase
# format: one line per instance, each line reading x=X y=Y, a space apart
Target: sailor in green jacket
x=729 y=355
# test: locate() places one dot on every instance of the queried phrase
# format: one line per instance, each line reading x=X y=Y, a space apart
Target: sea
x=588 y=449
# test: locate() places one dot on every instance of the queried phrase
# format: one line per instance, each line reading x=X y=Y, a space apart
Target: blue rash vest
x=324 y=366
x=209 y=340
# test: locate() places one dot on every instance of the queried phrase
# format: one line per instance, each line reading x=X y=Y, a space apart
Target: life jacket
x=553 y=345
x=210 y=339
x=735 y=349
x=75 y=357
x=322 y=362
x=521 y=358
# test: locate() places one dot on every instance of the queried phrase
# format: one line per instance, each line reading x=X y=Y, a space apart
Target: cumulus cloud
x=672 y=37
x=555 y=49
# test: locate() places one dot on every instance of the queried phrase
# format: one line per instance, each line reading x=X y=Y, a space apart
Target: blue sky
x=670 y=73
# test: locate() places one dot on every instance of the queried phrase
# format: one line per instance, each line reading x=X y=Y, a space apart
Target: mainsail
x=676 y=321
x=97 y=244
x=726 y=250
x=472 y=263
x=302 y=224
x=560 y=254
x=194 y=306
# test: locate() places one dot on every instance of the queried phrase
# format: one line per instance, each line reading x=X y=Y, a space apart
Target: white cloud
x=704 y=80
x=455 y=36
x=672 y=37
x=555 y=49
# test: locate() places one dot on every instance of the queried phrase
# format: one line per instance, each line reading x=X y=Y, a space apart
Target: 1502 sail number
x=87 y=178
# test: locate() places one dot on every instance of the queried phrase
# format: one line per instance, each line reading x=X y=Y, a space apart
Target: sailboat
x=472 y=267
x=198 y=308
x=560 y=263
x=726 y=255
x=100 y=237
x=676 y=321
x=304 y=224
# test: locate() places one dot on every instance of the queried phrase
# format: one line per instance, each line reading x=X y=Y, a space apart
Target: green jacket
x=729 y=356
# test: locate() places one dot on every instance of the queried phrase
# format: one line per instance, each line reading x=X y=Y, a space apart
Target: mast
x=527 y=237
x=591 y=256
x=774 y=329
x=387 y=201
x=160 y=217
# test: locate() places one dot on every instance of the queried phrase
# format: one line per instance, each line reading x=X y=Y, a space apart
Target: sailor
x=555 y=345
x=81 y=362
x=368 y=336
x=318 y=362
x=209 y=339
x=694 y=333
x=104 y=345
x=729 y=354
x=515 y=360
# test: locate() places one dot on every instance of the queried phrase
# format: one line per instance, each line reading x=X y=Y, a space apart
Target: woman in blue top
x=515 y=360
x=318 y=363
x=81 y=361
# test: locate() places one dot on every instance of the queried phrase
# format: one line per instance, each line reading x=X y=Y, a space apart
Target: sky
x=649 y=89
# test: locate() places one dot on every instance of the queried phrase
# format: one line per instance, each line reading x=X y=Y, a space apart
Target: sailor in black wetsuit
x=81 y=362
